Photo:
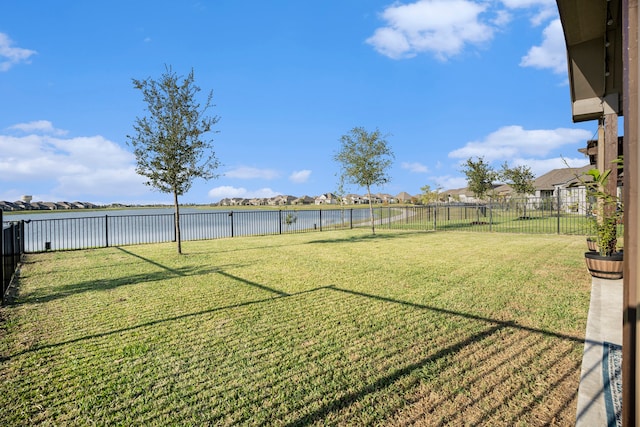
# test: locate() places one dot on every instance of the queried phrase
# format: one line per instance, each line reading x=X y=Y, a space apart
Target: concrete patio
x=604 y=325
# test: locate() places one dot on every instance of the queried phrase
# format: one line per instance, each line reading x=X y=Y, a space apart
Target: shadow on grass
x=380 y=235
x=491 y=328
x=387 y=381
x=62 y=291
x=164 y=320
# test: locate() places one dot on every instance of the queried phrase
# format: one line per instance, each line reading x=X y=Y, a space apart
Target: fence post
x=2 y=253
x=320 y=212
x=21 y=249
x=351 y=219
x=280 y=221
x=435 y=217
x=490 y=214
x=175 y=237
x=106 y=231
x=558 y=211
x=231 y=215
x=15 y=246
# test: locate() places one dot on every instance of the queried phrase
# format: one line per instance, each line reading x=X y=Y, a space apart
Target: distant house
x=404 y=197
x=326 y=199
x=8 y=206
x=462 y=195
x=548 y=184
x=566 y=183
x=386 y=198
x=283 y=200
x=353 y=199
x=304 y=200
x=49 y=205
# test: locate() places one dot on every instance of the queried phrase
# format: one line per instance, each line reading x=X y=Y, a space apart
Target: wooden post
x=631 y=282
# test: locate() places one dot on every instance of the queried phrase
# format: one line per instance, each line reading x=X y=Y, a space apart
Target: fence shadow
x=405 y=364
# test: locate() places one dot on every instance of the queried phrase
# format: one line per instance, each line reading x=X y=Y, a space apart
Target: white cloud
x=300 y=177
x=511 y=142
x=545 y=9
x=10 y=56
x=38 y=126
x=227 y=191
x=440 y=27
x=448 y=182
x=245 y=172
x=414 y=167
x=552 y=53
x=71 y=168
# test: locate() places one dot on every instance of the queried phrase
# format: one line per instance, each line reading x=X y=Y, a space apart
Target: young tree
x=428 y=195
x=480 y=177
x=364 y=159
x=520 y=178
x=168 y=143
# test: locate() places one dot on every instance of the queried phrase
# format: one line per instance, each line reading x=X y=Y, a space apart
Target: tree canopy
x=169 y=142
x=428 y=195
x=364 y=159
x=520 y=178
x=480 y=177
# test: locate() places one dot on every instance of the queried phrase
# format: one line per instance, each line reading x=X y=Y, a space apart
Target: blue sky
x=446 y=79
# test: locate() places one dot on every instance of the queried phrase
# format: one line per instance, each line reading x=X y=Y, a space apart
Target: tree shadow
x=490 y=329
x=163 y=320
x=379 y=236
x=62 y=291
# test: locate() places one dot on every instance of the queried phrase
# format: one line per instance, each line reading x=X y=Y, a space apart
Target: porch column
x=631 y=282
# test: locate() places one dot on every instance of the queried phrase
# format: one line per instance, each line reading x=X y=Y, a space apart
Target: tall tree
x=169 y=142
x=480 y=177
x=365 y=158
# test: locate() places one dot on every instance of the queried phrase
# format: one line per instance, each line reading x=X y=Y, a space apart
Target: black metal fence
x=67 y=233
x=11 y=251
x=555 y=215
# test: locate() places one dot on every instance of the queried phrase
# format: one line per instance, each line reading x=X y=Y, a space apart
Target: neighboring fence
x=11 y=250
x=530 y=215
x=554 y=215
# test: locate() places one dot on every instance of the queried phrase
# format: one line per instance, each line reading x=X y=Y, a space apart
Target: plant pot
x=604 y=267
x=592 y=245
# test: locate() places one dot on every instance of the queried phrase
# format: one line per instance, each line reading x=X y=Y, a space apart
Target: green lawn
x=334 y=328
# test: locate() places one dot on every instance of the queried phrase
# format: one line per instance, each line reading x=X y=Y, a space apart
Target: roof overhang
x=593 y=36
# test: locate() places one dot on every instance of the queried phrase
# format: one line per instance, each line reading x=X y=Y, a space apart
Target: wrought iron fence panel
x=11 y=250
x=564 y=213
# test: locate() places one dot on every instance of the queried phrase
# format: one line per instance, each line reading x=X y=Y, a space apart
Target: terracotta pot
x=604 y=267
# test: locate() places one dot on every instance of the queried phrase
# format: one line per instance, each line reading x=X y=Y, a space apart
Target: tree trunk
x=373 y=227
x=177 y=221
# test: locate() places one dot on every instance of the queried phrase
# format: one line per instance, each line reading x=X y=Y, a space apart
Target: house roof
x=593 y=35
x=548 y=181
x=562 y=176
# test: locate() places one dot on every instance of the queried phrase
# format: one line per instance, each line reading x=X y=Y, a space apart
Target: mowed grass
x=335 y=328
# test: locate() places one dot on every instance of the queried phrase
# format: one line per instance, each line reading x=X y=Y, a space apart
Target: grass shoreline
x=304 y=329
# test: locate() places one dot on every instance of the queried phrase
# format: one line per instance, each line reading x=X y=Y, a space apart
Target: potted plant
x=592 y=237
x=606 y=263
